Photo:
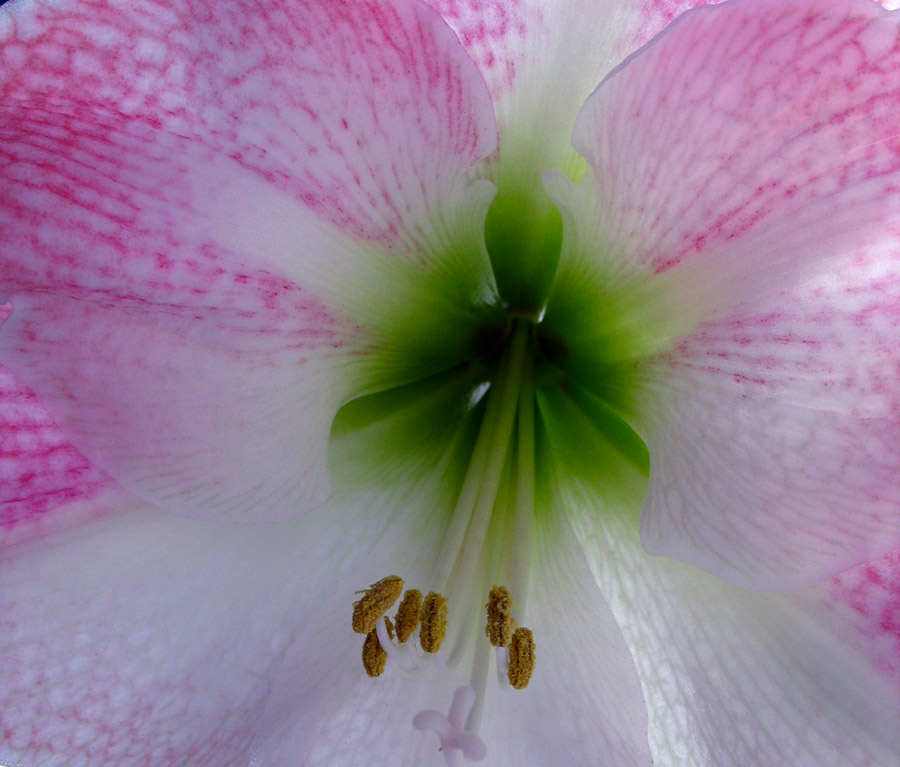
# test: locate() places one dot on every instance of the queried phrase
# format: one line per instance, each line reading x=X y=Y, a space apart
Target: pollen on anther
x=521 y=658
x=374 y=656
x=375 y=602
x=407 y=617
x=500 y=624
x=433 y=617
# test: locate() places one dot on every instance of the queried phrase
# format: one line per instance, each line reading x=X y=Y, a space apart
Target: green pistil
x=523 y=234
x=464 y=541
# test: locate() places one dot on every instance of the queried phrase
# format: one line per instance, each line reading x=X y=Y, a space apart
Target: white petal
x=734 y=677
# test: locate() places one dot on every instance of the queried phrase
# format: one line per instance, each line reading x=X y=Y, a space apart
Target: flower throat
x=486 y=542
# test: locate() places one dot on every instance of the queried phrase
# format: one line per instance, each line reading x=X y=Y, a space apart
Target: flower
x=244 y=246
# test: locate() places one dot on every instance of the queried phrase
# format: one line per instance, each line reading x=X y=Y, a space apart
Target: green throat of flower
x=516 y=378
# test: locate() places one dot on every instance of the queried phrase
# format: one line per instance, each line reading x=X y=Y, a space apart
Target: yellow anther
x=376 y=601
x=500 y=624
x=433 y=617
x=521 y=658
x=407 y=617
x=373 y=655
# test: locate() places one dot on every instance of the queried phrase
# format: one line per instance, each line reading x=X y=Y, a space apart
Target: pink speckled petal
x=45 y=483
x=542 y=58
x=365 y=111
x=749 y=141
x=864 y=603
x=772 y=422
x=738 y=677
x=198 y=201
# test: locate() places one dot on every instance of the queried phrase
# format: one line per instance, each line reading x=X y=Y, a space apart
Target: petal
x=783 y=115
x=771 y=421
x=191 y=279
x=45 y=483
x=774 y=437
x=585 y=691
x=735 y=677
x=541 y=59
x=142 y=638
x=864 y=604
x=363 y=111
x=145 y=638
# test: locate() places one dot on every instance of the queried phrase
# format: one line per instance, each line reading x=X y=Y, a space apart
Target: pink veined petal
x=45 y=483
x=146 y=639
x=541 y=59
x=772 y=425
x=782 y=116
x=184 y=268
x=363 y=110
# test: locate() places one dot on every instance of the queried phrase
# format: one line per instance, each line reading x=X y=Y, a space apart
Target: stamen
x=521 y=658
x=374 y=656
x=434 y=622
x=407 y=617
x=500 y=624
x=376 y=601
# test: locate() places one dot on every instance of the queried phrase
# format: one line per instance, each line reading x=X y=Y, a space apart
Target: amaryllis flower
x=307 y=295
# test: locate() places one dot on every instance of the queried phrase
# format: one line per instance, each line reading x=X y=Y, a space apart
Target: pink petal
x=146 y=639
x=189 y=199
x=774 y=434
x=360 y=110
x=750 y=154
x=755 y=139
x=542 y=58
x=45 y=483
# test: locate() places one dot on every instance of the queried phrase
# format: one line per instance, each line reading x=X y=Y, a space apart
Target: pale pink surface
x=179 y=269
x=144 y=639
x=864 y=603
x=503 y=36
x=772 y=428
x=45 y=483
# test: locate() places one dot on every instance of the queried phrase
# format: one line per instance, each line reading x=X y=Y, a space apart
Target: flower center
x=497 y=385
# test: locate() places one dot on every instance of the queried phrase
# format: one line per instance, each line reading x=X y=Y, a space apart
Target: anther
x=375 y=602
x=521 y=658
x=374 y=656
x=433 y=617
x=500 y=624
x=407 y=617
